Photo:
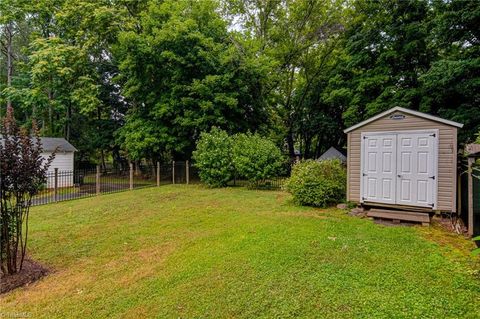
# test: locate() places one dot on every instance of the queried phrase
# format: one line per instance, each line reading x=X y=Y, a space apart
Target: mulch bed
x=31 y=272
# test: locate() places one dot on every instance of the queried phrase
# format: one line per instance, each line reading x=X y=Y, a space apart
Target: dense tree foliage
x=141 y=79
x=451 y=87
x=386 y=51
x=183 y=75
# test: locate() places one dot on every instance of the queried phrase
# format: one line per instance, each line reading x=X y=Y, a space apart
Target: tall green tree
x=182 y=73
x=451 y=87
x=143 y=78
x=58 y=85
x=13 y=38
x=298 y=37
x=93 y=27
x=65 y=77
x=386 y=53
x=417 y=54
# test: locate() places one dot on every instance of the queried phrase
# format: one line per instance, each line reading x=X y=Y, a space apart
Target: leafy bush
x=317 y=183
x=256 y=158
x=213 y=158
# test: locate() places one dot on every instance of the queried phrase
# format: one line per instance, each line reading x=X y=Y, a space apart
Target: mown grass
x=190 y=252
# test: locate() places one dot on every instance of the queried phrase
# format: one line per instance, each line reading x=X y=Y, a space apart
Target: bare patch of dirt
x=313 y=214
x=451 y=224
x=387 y=222
x=31 y=272
x=358 y=211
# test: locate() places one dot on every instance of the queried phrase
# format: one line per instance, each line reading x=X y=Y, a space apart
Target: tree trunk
x=290 y=143
x=307 y=146
x=102 y=159
x=68 y=124
x=137 y=168
x=117 y=159
x=317 y=148
x=50 y=112
x=9 y=35
x=154 y=168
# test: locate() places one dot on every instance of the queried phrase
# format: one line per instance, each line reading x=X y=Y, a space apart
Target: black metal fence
x=67 y=185
x=274 y=183
x=470 y=191
x=476 y=199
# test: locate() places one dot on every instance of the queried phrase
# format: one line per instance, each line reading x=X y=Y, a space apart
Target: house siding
x=447 y=155
x=64 y=162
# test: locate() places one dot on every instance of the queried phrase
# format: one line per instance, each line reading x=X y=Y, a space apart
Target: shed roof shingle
x=50 y=144
x=333 y=153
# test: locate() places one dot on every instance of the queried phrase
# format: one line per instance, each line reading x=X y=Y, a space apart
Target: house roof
x=407 y=111
x=333 y=153
x=50 y=144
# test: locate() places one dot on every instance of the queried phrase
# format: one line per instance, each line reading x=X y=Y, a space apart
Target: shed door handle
x=399 y=176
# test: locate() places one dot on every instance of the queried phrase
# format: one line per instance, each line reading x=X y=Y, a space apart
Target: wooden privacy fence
x=72 y=184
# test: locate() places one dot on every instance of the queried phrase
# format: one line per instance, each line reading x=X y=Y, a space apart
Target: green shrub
x=213 y=158
x=317 y=183
x=256 y=158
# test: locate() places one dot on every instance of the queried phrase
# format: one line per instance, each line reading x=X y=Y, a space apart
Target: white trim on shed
x=407 y=111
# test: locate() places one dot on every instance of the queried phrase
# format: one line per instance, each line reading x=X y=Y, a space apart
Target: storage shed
x=403 y=160
x=64 y=159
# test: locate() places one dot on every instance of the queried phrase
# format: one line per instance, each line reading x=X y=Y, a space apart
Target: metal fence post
x=97 y=181
x=55 y=185
x=158 y=173
x=131 y=175
x=470 y=195
x=187 y=172
x=173 y=172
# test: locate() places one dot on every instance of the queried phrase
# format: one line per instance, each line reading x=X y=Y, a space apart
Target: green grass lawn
x=189 y=252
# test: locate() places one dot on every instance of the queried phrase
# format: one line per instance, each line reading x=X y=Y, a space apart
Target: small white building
x=64 y=156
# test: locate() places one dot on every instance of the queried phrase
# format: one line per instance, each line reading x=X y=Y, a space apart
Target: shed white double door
x=400 y=168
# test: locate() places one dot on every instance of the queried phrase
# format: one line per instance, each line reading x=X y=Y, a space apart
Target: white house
x=64 y=154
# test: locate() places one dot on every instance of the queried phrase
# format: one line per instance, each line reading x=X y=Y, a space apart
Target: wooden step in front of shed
x=400 y=215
